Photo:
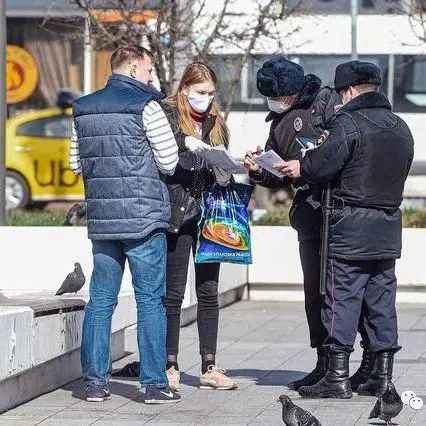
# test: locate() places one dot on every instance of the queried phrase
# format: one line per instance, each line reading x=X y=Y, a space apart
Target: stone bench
x=41 y=338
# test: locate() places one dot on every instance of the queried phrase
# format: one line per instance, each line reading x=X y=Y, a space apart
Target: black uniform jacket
x=307 y=118
x=366 y=157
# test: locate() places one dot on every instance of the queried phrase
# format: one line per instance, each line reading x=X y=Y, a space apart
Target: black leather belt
x=340 y=203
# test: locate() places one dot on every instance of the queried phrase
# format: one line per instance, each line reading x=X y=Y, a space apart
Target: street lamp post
x=87 y=78
x=2 y=112
x=354 y=29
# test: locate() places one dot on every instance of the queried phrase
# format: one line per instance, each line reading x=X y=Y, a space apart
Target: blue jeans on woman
x=147 y=262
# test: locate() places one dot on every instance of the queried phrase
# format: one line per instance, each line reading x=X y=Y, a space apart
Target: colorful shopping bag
x=224 y=231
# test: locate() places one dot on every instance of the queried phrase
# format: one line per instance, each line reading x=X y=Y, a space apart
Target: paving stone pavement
x=263 y=345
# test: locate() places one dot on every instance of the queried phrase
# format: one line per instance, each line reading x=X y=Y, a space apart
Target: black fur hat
x=356 y=72
x=280 y=77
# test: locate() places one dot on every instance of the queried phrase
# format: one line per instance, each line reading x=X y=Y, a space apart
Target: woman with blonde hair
x=198 y=125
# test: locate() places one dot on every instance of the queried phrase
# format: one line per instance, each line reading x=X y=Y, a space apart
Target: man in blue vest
x=122 y=142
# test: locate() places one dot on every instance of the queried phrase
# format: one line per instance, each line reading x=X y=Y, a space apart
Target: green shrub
x=414 y=218
x=35 y=218
x=411 y=218
x=277 y=217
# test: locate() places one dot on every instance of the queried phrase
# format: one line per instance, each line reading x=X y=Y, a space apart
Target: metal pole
x=87 y=69
x=354 y=29
x=3 y=112
x=326 y=210
x=391 y=77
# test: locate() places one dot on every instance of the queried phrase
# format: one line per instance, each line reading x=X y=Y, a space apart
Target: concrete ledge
x=276 y=259
x=16 y=325
x=50 y=375
x=42 y=340
x=46 y=304
x=280 y=292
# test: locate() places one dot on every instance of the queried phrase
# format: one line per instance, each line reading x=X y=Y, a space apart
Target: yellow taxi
x=37 y=150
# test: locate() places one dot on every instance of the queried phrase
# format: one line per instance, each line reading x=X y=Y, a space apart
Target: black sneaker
x=96 y=393
x=154 y=395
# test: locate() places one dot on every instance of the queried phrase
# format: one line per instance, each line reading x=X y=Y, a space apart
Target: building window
x=410 y=83
x=323 y=66
x=248 y=80
x=338 y=7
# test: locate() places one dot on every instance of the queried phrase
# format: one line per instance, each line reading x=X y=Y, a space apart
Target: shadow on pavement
x=130 y=391
x=259 y=377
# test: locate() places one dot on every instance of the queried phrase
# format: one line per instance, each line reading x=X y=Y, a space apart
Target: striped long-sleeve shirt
x=159 y=134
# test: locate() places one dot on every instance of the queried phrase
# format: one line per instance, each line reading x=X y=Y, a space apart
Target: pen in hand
x=249 y=160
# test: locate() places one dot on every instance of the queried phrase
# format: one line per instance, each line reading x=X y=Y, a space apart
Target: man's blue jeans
x=147 y=262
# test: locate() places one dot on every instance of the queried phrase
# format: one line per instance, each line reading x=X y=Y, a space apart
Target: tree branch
x=216 y=30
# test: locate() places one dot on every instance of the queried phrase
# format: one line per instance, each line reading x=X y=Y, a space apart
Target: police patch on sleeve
x=298 y=124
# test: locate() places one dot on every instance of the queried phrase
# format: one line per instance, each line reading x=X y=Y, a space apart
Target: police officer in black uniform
x=299 y=108
x=366 y=156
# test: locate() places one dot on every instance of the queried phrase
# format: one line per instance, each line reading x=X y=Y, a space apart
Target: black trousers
x=206 y=285
x=361 y=294
x=310 y=258
x=309 y=251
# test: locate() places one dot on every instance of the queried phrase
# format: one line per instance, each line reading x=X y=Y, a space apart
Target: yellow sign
x=21 y=74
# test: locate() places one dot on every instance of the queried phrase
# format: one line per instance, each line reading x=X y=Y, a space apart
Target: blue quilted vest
x=126 y=198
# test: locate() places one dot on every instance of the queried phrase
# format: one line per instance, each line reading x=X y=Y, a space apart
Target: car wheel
x=17 y=191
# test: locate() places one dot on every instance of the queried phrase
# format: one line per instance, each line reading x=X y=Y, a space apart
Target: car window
x=52 y=127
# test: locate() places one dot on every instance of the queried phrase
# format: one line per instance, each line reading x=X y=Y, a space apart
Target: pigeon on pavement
x=296 y=416
x=73 y=282
x=388 y=405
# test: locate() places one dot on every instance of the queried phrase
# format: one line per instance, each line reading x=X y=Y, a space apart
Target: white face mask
x=200 y=103
x=278 y=106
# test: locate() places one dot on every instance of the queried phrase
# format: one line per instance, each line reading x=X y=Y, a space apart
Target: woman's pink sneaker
x=173 y=376
x=215 y=378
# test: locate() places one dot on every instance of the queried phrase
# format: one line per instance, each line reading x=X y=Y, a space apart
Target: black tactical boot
x=364 y=370
x=380 y=377
x=316 y=374
x=335 y=383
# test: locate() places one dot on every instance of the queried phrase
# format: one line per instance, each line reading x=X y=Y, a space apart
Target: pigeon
x=73 y=282
x=76 y=215
x=129 y=370
x=296 y=416
x=388 y=405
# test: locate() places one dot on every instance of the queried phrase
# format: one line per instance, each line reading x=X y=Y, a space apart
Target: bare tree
x=180 y=31
x=416 y=10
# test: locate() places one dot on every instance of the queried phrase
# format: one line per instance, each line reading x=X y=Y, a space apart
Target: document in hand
x=267 y=160
x=219 y=157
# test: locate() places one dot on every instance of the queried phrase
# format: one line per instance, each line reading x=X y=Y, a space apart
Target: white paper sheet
x=219 y=157
x=267 y=160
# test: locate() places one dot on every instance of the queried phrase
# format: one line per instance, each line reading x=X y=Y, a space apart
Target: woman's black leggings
x=206 y=284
